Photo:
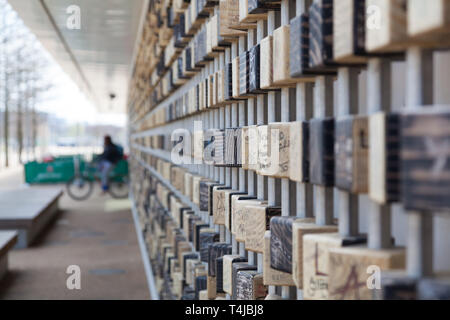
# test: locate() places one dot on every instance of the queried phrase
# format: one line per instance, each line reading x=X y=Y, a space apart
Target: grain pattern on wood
x=281 y=46
x=299 y=151
x=279 y=146
x=425 y=160
x=211 y=287
x=229 y=206
x=219 y=148
x=243 y=73
x=256 y=223
x=321 y=34
x=315 y=261
x=281 y=243
x=271 y=276
x=321 y=143
x=249 y=286
x=219 y=205
x=351 y=154
x=235 y=77
x=388 y=23
x=229 y=16
x=349 y=31
x=348 y=270
x=266 y=67
x=206 y=238
x=254 y=69
x=228 y=261
x=233 y=148
x=384 y=154
x=216 y=250
x=238 y=214
x=237 y=267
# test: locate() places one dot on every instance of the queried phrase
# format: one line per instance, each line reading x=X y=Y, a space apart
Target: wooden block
x=384 y=144
x=299 y=43
x=266 y=67
x=262 y=6
x=211 y=287
x=216 y=250
x=233 y=147
x=219 y=204
x=254 y=69
x=197 y=226
x=219 y=148
x=220 y=86
x=321 y=143
x=256 y=223
x=249 y=286
x=239 y=204
x=278 y=144
x=188 y=185
x=351 y=154
x=396 y=285
x=429 y=21
x=314 y=275
x=281 y=243
x=237 y=267
x=263 y=159
x=299 y=151
x=243 y=74
x=271 y=276
x=189 y=226
x=348 y=270
x=229 y=205
x=178 y=284
x=228 y=92
x=386 y=25
x=321 y=34
x=198 y=142
x=206 y=238
x=229 y=16
x=425 y=153
x=228 y=261
x=190 y=267
x=196 y=189
x=186 y=257
x=246 y=16
x=244 y=147
x=205 y=187
x=281 y=49
x=235 y=77
x=349 y=31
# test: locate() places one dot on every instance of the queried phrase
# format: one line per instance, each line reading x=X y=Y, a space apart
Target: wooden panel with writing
x=271 y=276
x=238 y=214
x=256 y=223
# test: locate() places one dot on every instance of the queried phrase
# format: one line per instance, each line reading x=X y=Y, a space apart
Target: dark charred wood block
x=351 y=153
x=219 y=275
x=243 y=73
x=200 y=284
x=425 y=160
x=254 y=67
x=396 y=286
x=233 y=147
x=197 y=228
x=192 y=219
x=228 y=94
x=216 y=250
x=188 y=59
x=281 y=243
x=321 y=34
x=434 y=289
x=183 y=212
x=205 y=194
x=206 y=238
x=249 y=286
x=321 y=142
x=384 y=157
x=239 y=266
x=228 y=271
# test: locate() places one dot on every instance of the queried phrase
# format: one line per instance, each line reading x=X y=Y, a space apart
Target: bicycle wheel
x=79 y=188
x=119 y=189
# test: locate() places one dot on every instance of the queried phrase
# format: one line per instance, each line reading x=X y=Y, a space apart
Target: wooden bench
x=7 y=240
x=28 y=211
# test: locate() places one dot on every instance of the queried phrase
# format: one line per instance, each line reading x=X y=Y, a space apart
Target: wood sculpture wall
x=262 y=131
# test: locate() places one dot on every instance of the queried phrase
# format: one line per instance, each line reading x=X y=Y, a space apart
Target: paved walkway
x=97 y=235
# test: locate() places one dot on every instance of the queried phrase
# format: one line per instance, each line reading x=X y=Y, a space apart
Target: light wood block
x=256 y=223
x=219 y=204
x=211 y=287
x=281 y=58
x=299 y=151
x=229 y=16
x=351 y=154
x=228 y=261
x=384 y=143
x=266 y=66
x=316 y=261
x=348 y=270
x=388 y=23
x=238 y=215
x=235 y=77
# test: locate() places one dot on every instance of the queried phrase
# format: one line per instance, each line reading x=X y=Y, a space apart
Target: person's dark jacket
x=111 y=153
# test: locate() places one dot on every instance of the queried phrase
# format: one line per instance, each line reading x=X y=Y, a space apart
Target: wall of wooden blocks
x=294 y=149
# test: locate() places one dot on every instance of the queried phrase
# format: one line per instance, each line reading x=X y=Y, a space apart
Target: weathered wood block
x=349 y=31
x=186 y=257
x=229 y=16
x=279 y=143
x=196 y=189
x=281 y=243
x=205 y=193
x=386 y=25
x=198 y=144
x=256 y=223
x=228 y=93
x=254 y=68
x=219 y=204
x=246 y=16
x=384 y=153
x=249 y=286
x=351 y=152
x=281 y=58
x=243 y=74
x=321 y=143
x=238 y=214
x=211 y=287
x=218 y=151
x=178 y=284
x=272 y=277
x=429 y=21
x=253 y=147
x=266 y=67
x=425 y=153
x=299 y=151
x=238 y=267
x=314 y=280
x=228 y=261
x=229 y=206
x=188 y=178
x=233 y=147
x=349 y=273
x=235 y=77
x=216 y=250
x=321 y=34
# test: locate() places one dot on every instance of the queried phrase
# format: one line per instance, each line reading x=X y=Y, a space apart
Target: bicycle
x=80 y=187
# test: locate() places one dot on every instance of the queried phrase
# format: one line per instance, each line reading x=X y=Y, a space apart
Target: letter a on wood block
x=316 y=261
x=384 y=144
x=348 y=270
x=425 y=160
